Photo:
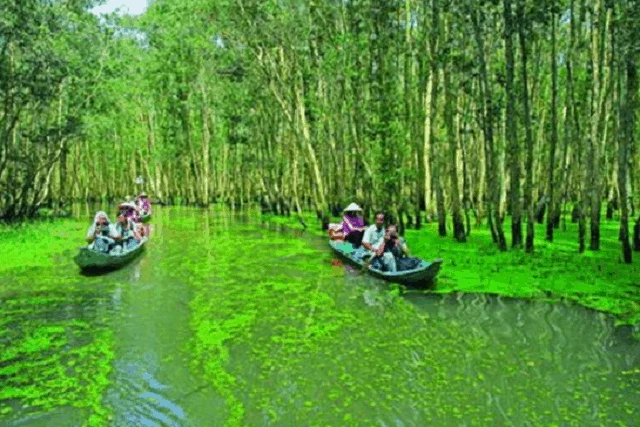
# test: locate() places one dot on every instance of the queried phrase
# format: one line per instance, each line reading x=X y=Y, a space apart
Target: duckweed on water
x=52 y=363
x=284 y=337
x=301 y=348
x=53 y=353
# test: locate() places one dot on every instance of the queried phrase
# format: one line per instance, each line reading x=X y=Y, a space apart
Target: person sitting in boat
x=144 y=204
x=394 y=243
x=101 y=234
x=397 y=246
x=127 y=237
x=130 y=211
x=373 y=242
x=353 y=225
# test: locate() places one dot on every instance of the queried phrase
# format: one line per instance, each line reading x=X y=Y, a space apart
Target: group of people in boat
x=381 y=245
x=123 y=235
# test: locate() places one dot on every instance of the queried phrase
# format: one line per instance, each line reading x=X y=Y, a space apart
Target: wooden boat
x=420 y=276
x=88 y=259
x=145 y=217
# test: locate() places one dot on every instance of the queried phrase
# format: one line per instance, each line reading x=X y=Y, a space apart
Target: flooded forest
x=431 y=110
x=501 y=136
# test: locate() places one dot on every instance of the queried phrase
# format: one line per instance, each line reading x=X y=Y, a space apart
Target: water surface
x=224 y=321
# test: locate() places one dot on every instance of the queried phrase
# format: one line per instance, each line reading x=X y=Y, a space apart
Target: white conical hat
x=352 y=208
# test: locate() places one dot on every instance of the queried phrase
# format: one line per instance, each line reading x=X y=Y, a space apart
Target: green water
x=225 y=321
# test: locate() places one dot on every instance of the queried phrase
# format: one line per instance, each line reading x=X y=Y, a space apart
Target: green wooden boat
x=88 y=259
x=423 y=275
x=145 y=217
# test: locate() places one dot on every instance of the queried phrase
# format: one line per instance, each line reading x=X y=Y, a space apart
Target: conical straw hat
x=352 y=208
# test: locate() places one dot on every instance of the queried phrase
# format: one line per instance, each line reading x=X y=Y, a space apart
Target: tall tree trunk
x=627 y=119
x=320 y=201
x=528 y=192
x=494 y=178
x=511 y=131
x=597 y=61
x=431 y=95
x=449 y=104
x=206 y=141
x=552 y=209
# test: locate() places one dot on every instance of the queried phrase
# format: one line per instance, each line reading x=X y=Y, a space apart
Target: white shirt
x=374 y=236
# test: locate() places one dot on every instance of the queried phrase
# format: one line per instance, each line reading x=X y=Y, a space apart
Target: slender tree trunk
x=449 y=104
x=552 y=209
x=578 y=137
x=494 y=178
x=627 y=121
x=206 y=141
x=511 y=132
x=320 y=201
x=431 y=95
x=528 y=192
x=597 y=59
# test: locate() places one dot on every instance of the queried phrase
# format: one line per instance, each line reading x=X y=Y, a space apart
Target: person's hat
x=352 y=208
x=127 y=205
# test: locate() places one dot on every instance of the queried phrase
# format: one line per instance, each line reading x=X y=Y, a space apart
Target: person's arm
x=366 y=241
x=136 y=234
x=404 y=247
x=92 y=234
x=347 y=223
x=383 y=245
x=113 y=233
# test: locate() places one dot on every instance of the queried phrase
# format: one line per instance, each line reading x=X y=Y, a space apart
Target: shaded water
x=224 y=321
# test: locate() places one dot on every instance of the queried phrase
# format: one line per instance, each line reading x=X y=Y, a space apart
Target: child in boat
x=101 y=234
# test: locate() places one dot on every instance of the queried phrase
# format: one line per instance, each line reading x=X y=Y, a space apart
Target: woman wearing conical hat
x=353 y=224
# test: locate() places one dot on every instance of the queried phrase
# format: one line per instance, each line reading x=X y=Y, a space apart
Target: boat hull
x=88 y=259
x=421 y=276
